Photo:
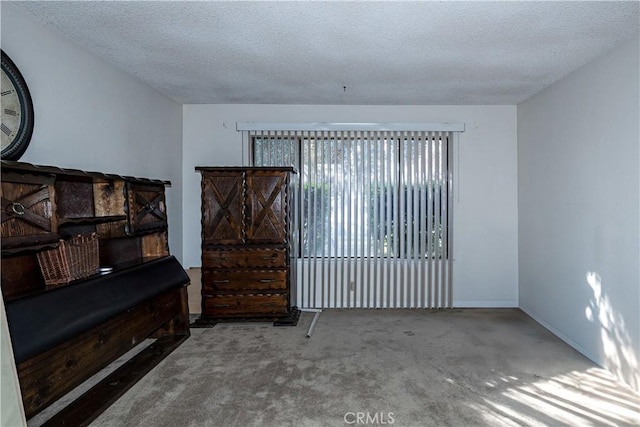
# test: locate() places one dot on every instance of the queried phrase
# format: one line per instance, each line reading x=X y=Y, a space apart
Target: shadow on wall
x=619 y=355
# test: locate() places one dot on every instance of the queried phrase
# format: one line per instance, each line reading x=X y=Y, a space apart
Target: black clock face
x=16 y=110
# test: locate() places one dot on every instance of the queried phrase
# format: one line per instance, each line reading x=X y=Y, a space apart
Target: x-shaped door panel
x=27 y=214
x=147 y=209
x=21 y=209
x=153 y=207
x=222 y=221
x=267 y=208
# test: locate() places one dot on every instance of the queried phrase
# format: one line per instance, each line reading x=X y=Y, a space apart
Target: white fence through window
x=374 y=211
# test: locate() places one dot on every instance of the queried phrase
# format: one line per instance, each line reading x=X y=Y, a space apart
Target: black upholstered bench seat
x=40 y=322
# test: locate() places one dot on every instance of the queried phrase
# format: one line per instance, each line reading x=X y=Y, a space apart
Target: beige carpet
x=376 y=367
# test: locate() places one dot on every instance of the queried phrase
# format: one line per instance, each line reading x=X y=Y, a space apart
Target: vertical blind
x=375 y=215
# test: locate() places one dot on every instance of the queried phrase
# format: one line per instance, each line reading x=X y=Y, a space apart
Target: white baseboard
x=562 y=336
x=485 y=304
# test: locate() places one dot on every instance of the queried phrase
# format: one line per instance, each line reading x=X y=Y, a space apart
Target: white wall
x=90 y=115
x=485 y=237
x=579 y=205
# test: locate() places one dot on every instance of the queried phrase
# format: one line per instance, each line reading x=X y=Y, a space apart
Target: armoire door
x=266 y=206
x=222 y=206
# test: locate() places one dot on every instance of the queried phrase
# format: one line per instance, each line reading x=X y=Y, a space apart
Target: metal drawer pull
x=221 y=281
x=222 y=305
x=267 y=280
x=222 y=258
x=268 y=304
x=267 y=258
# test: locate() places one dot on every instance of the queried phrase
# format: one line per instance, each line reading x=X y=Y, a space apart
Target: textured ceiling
x=308 y=52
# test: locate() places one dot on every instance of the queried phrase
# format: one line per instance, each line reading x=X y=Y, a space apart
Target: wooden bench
x=63 y=336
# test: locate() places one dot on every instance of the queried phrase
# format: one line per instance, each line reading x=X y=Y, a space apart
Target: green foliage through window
x=366 y=197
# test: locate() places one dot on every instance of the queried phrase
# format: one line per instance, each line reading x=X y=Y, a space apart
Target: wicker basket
x=73 y=259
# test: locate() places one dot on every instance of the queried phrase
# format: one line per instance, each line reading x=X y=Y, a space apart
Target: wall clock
x=16 y=111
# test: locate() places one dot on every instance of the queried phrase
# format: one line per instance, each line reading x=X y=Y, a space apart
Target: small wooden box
x=28 y=203
x=147 y=207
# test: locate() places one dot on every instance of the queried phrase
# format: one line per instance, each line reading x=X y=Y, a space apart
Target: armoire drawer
x=217 y=280
x=243 y=305
x=245 y=258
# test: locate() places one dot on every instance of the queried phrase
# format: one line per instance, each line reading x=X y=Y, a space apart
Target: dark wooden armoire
x=247 y=244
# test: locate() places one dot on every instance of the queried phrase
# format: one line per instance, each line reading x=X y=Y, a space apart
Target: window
x=374 y=211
